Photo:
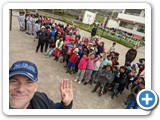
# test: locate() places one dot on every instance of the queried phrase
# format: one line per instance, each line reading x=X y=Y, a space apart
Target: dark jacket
x=41 y=101
x=131 y=55
x=135 y=90
x=42 y=36
x=121 y=79
x=100 y=49
x=48 y=37
x=94 y=30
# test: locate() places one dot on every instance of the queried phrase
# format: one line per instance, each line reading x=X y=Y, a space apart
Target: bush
x=104 y=34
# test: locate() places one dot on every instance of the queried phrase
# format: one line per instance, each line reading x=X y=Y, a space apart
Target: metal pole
x=10 y=19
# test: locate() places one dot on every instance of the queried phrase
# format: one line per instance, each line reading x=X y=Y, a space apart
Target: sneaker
x=99 y=94
x=104 y=93
x=85 y=83
x=93 y=91
x=70 y=73
x=47 y=56
x=112 y=97
x=79 y=82
x=90 y=83
x=61 y=61
x=75 y=80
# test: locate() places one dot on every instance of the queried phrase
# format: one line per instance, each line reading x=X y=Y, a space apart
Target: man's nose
x=20 y=87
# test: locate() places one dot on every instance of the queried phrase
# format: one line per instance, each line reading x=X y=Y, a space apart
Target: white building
x=132 y=21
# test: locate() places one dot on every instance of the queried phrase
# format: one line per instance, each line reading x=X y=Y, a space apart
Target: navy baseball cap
x=25 y=68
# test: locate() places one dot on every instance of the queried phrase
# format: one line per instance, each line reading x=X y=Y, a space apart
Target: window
x=141 y=29
x=126 y=25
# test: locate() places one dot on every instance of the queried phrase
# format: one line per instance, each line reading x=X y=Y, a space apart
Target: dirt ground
x=22 y=47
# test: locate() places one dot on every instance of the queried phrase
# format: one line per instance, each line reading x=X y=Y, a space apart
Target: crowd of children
x=86 y=56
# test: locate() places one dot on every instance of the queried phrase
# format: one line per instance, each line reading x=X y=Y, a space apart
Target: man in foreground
x=23 y=84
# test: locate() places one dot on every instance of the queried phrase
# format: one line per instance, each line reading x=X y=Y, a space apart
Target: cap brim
x=24 y=74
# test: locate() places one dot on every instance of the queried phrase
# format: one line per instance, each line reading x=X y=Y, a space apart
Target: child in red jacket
x=72 y=61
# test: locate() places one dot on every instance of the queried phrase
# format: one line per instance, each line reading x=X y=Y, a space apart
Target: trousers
x=80 y=74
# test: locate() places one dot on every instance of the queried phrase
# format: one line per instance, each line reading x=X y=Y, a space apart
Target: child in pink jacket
x=82 y=68
x=90 y=67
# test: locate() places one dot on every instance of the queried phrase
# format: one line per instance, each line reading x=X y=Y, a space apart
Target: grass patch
x=100 y=18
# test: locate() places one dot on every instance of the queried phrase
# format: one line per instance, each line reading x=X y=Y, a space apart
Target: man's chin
x=14 y=107
x=17 y=107
x=19 y=104
x=20 y=97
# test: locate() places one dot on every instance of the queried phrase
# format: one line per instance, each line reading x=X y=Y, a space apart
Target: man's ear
x=37 y=83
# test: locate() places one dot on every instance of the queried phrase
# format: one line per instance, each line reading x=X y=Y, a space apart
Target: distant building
x=132 y=21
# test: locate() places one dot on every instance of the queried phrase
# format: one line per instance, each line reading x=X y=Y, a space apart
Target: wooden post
x=26 y=11
x=10 y=19
x=53 y=11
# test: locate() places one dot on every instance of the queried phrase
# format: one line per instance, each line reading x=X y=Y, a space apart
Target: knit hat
x=92 y=48
x=42 y=27
x=76 y=50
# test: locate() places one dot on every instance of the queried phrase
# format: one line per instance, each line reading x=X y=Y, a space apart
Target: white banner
x=89 y=17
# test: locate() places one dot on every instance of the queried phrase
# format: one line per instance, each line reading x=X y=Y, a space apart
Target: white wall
x=131 y=18
x=112 y=24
